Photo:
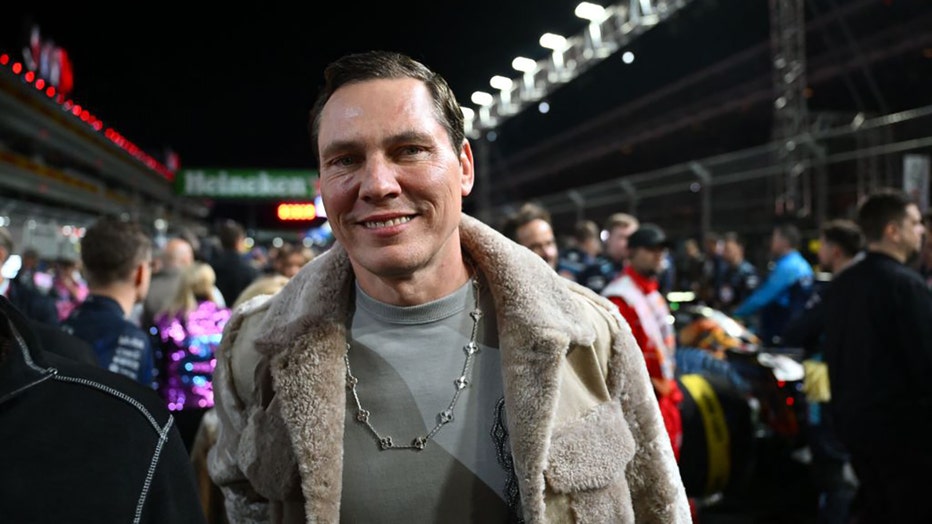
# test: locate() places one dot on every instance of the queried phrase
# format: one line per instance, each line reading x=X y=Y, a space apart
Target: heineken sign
x=246 y=183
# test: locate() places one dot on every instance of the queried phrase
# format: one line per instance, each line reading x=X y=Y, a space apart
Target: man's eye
x=342 y=161
x=412 y=150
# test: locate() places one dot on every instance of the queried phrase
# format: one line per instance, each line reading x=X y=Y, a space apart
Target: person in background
x=689 y=266
x=81 y=444
x=68 y=287
x=925 y=254
x=290 y=258
x=636 y=294
x=713 y=266
x=586 y=251
x=878 y=347
x=786 y=289
x=189 y=332
x=608 y=266
x=530 y=226
x=739 y=279
x=426 y=368
x=29 y=270
x=840 y=246
x=35 y=305
x=176 y=256
x=116 y=255
x=234 y=272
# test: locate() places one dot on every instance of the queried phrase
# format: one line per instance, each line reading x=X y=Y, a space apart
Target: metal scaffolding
x=792 y=194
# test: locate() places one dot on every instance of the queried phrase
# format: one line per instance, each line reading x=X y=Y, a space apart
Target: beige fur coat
x=586 y=434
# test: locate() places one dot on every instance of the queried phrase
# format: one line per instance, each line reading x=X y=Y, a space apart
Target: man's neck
x=888 y=249
x=121 y=294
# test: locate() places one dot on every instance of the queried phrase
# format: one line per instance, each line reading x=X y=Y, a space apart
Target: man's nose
x=380 y=180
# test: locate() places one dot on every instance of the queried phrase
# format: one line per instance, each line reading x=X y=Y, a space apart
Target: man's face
x=647 y=261
x=778 y=244
x=537 y=235
x=391 y=182
x=732 y=252
x=616 y=246
x=911 y=231
x=292 y=264
x=827 y=254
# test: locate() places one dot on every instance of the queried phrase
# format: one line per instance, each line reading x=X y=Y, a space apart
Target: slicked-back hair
x=374 y=65
x=845 y=234
x=112 y=248
x=879 y=209
x=527 y=213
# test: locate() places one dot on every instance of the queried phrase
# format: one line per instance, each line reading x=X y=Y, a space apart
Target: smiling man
x=426 y=368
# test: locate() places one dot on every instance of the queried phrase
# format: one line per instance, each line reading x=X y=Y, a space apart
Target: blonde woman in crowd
x=189 y=331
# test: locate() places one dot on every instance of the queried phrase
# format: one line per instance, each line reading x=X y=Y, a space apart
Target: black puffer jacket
x=82 y=444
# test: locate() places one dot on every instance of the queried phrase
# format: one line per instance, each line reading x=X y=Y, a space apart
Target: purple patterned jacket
x=187 y=348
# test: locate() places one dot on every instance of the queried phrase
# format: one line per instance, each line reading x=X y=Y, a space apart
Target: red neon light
x=29 y=76
x=40 y=84
x=17 y=68
x=4 y=59
x=50 y=91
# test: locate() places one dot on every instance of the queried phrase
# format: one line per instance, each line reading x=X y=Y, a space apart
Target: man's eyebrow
x=339 y=145
x=399 y=138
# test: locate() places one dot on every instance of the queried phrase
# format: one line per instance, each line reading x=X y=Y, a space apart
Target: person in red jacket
x=636 y=293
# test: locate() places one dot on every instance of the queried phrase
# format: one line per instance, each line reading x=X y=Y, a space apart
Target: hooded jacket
x=587 y=440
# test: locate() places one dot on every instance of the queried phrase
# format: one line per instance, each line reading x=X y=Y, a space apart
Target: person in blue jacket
x=785 y=291
x=117 y=255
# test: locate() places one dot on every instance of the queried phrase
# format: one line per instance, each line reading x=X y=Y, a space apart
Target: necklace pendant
x=386 y=442
x=419 y=443
x=471 y=349
x=460 y=383
x=363 y=416
x=445 y=416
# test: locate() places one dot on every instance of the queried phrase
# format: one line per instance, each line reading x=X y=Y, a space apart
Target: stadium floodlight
x=595 y=14
x=469 y=117
x=484 y=101
x=481 y=98
x=591 y=12
x=528 y=67
x=523 y=64
x=500 y=82
x=503 y=84
x=553 y=41
x=557 y=44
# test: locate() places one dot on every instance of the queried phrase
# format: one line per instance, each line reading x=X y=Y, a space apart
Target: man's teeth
x=387 y=223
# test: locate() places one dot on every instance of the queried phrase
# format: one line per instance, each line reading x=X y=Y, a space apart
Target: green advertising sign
x=246 y=183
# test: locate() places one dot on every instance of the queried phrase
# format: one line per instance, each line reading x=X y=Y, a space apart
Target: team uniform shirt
x=121 y=346
x=406 y=360
x=642 y=305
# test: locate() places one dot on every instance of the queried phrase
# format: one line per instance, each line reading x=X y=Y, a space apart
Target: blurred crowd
x=155 y=311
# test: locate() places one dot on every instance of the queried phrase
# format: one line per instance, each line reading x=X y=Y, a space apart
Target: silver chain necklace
x=363 y=416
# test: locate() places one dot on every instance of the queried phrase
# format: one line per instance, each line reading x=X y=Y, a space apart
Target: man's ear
x=139 y=273
x=467 y=164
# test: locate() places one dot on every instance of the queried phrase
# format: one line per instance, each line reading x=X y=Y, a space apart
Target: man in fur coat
x=426 y=368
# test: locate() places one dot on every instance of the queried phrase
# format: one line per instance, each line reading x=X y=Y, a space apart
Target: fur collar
x=526 y=291
x=540 y=318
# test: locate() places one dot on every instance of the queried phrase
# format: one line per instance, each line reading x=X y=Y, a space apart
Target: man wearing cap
x=636 y=293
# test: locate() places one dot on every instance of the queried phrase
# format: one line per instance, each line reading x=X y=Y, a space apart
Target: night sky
x=233 y=88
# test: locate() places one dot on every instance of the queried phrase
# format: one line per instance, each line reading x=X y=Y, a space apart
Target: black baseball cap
x=649 y=236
